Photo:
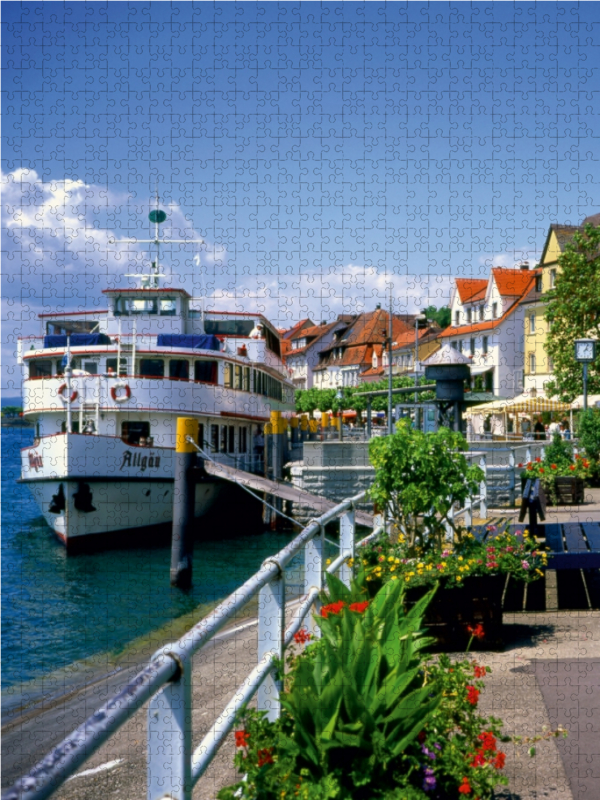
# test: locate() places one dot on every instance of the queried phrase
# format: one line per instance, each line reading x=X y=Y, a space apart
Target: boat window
x=237 y=377
x=243 y=440
x=168 y=307
x=223 y=438
x=229 y=327
x=152 y=367
x=214 y=438
x=246 y=379
x=111 y=366
x=179 y=368
x=40 y=369
x=91 y=367
x=201 y=435
x=133 y=430
x=205 y=371
x=228 y=375
x=66 y=327
x=231 y=443
x=124 y=306
x=273 y=342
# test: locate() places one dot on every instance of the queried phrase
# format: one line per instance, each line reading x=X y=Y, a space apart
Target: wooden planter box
x=569 y=491
x=452 y=610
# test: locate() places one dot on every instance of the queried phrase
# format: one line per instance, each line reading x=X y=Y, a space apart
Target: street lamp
x=585 y=353
x=339 y=396
x=419 y=319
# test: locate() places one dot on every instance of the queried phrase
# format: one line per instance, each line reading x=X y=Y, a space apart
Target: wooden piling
x=182 y=542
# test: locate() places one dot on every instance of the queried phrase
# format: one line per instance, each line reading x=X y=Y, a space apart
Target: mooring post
x=268 y=463
x=313 y=430
x=295 y=429
x=324 y=424
x=279 y=425
x=184 y=489
x=304 y=427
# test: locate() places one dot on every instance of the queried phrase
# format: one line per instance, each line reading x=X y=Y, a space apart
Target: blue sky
x=323 y=151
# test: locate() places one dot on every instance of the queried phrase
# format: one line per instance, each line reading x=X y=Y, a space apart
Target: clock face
x=585 y=351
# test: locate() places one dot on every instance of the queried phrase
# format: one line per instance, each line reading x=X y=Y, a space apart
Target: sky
x=325 y=153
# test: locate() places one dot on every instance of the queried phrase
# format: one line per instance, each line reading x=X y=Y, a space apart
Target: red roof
x=471 y=289
x=513 y=282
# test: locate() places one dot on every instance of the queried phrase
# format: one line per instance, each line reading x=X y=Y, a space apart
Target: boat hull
x=121 y=501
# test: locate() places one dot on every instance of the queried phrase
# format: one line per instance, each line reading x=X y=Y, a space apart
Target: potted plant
x=588 y=433
x=561 y=473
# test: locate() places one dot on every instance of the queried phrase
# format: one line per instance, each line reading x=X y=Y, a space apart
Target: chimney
x=323 y=322
x=378 y=307
x=524 y=265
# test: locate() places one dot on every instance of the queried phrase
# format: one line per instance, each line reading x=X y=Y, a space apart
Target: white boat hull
x=98 y=488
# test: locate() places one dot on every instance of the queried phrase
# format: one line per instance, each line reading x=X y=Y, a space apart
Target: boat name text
x=138 y=460
x=35 y=461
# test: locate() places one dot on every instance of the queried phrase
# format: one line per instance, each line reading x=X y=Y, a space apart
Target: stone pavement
x=534 y=642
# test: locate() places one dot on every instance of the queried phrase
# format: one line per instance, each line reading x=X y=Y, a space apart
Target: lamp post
x=339 y=396
x=419 y=318
x=585 y=353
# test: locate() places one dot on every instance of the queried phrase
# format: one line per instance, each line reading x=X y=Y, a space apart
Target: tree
x=440 y=315
x=573 y=312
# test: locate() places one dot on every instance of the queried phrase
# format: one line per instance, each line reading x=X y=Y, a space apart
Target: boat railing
x=165 y=683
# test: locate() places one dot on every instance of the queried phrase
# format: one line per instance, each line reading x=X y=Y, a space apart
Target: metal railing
x=472 y=501
x=166 y=681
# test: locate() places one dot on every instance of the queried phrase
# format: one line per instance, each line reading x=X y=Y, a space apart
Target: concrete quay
x=517 y=691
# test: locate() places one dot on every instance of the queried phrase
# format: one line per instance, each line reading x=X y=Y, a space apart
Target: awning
x=522 y=404
x=593 y=401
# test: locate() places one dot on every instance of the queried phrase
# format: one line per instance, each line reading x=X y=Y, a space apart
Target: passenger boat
x=105 y=388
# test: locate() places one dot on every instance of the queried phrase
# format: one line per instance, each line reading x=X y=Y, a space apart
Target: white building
x=488 y=327
x=302 y=355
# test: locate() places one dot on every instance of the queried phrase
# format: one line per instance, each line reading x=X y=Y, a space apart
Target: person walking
x=539 y=430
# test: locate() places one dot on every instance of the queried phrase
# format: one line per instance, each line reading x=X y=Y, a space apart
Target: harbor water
x=60 y=612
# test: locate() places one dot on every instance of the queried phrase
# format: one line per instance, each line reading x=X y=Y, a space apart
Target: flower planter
x=569 y=491
x=453 y=610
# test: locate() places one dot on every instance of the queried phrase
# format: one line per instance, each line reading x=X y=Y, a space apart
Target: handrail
x=166 y=680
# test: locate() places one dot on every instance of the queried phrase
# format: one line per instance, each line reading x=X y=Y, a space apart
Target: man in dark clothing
x=539 y=430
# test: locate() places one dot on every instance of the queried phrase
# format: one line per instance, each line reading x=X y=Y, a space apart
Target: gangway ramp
x=281 y=489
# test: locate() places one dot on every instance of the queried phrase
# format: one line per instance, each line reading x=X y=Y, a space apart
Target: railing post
x=170 y=737
x=313 y=574
x=483 y=488
x=271 y=625
x=528 y=455
x=469 y=511
x=512 y=478
x=448 y=526
x=347 y=528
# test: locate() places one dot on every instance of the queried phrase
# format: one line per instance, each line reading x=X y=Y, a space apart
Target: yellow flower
x=397 y=561
x=411 y=574
x=391 y=558
x=539 y=572
x=420 y=566
x=459 y=578
x=394 y=577
x=328 y=562
x=460 y=558
x=429 y=566
x=392 y=569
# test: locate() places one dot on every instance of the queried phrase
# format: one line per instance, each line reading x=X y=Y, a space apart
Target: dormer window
x=494 y=310
x=481 y=312
x=469 y=315
x=457 y=317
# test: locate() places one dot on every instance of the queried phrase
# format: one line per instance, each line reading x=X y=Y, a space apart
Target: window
x=472 y=346
x=457 y=317
x=494 y=310
x=201 y=435
x=246 y=380
x=243 y=440
x=532 y=323
x=214 y=438
x=552 y=278
x=481 y=312
x=460 y=346
x=237 y=377
x=489 y=381
x=469 y=315
x=454 y=345
x=485 y=345
x=223 y=438
x=40 y=369
x=91 y=367
x=152 y=367
x=111 y=366
x=205 y=371
x=538 y=283
x=124 y=306
x=132 y=431
x=168 y=307
x=228 y=374
x=179 y=369
x=229 y=327
x=231 y=442
x=532 y=363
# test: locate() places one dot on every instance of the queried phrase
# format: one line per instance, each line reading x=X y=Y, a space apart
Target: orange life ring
x=120 y=398
x=61 y=394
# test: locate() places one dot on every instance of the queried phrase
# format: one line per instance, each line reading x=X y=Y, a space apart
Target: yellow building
x=538 y=366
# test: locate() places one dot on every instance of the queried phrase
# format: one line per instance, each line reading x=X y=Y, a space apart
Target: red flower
x=572 y=467
x=476 y=631
x=265 y=756
x=302 y=636
x=539 y=460
x=480 y=672
x=472 y=695
x=465 y=787
x=359 y=607
x=488 y=741
x=478 y=760
x=520 y=466
x=541 y=469
x=499 y=761
x=553 y=466
x=577 y=457
x=241 y=738
x=529 y=466
x=332 y=608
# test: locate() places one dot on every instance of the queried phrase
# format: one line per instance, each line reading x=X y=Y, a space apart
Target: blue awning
x=77 y=340
x=204 y=341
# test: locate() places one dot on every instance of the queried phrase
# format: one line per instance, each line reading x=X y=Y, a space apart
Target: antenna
x=156 y=216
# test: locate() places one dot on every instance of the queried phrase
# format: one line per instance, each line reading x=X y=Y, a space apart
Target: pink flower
x=525 y=564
